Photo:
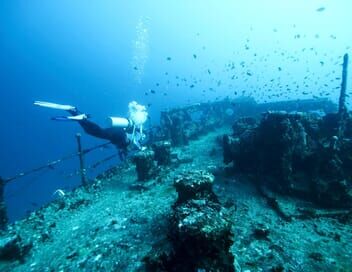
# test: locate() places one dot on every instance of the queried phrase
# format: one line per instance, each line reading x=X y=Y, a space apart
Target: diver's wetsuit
x=116 y=135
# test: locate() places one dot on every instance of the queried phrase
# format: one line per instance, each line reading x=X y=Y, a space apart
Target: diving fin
x=60 y=118
x=54 y=105
x=79 y=117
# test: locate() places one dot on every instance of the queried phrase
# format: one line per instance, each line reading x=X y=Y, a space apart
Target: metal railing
x=50 y=165
x=82 y=171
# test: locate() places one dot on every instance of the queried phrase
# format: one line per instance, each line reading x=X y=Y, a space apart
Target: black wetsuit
x=116 y=135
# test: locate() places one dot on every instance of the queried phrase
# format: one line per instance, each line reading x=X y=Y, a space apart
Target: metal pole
x=3 y=213
x=81 y=161
x=342 y=101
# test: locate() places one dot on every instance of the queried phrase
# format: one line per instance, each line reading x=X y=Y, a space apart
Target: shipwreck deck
x=113 y=224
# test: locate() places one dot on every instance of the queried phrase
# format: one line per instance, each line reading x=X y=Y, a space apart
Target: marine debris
x=13 y=248
x=145 y=164
x=300 y=154
x=295 y=154
x=162 y=151
x=180 y=125
x=200 y=233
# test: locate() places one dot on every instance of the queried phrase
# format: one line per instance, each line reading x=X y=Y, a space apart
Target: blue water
x=100 y=56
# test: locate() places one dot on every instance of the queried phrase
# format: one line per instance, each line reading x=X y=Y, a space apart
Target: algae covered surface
x=113 y=224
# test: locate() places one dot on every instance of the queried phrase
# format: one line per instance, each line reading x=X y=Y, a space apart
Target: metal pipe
x=3 y=212
x=342 y=114
x=342 y=100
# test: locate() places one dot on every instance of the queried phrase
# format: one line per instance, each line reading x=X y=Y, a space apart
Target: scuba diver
x=122 y=131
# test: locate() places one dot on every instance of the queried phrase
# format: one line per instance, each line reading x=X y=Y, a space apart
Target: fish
x=320 y=9
x=168 y=58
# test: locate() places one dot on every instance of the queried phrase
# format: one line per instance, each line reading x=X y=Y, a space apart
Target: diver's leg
x=92 y=128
